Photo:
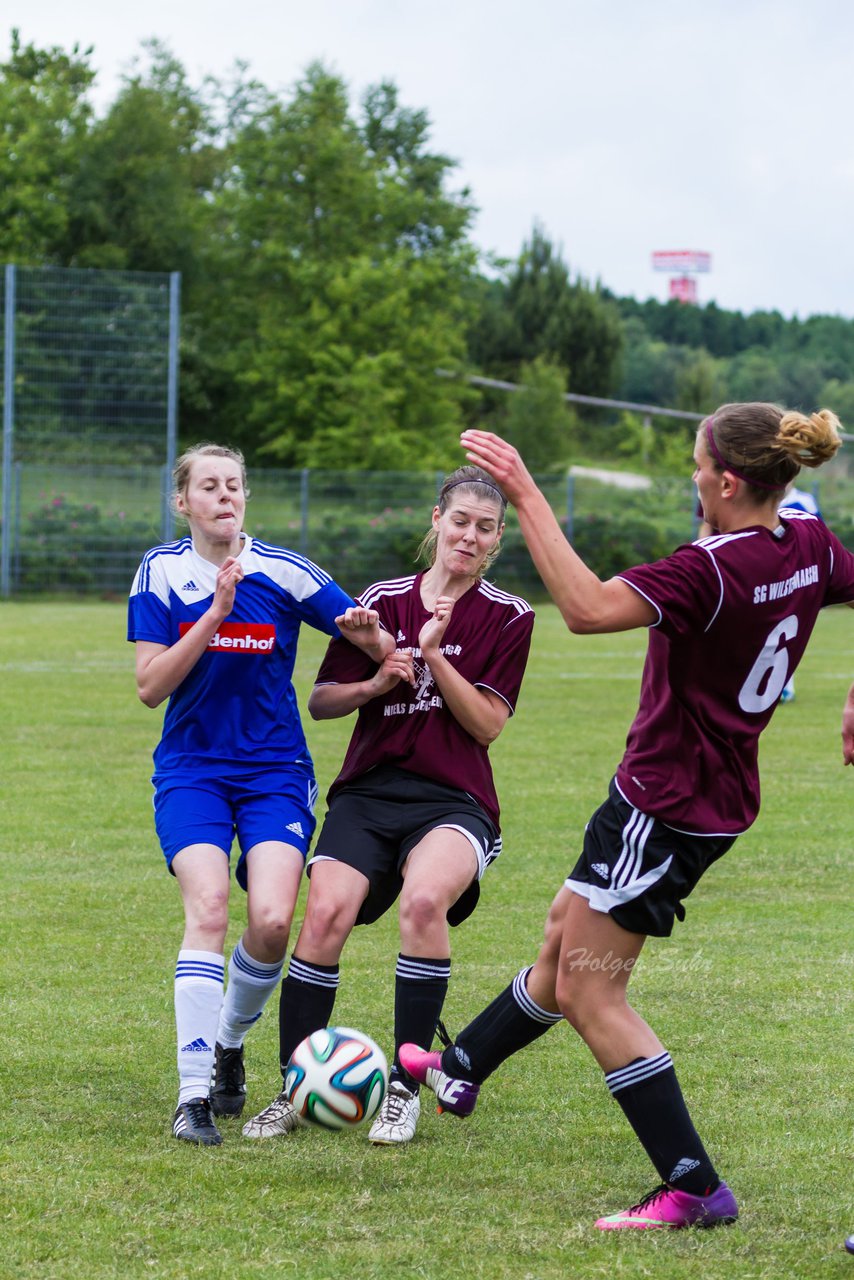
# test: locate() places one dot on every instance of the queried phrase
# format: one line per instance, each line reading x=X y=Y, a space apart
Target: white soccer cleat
x=274 y=1121
x=398 y=1116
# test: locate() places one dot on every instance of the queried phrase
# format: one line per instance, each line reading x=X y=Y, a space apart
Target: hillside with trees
x=328 y=271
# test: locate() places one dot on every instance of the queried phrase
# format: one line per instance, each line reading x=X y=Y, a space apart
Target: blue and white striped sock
x=199 y=977
x=250 y=985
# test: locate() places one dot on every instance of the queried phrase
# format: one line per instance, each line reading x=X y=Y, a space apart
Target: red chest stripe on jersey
x=239 y=637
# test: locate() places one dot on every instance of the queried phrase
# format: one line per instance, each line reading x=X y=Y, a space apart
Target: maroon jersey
x=735 y=613
x=487 y=641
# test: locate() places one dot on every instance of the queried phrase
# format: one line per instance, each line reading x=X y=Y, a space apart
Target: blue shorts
x=266 y=804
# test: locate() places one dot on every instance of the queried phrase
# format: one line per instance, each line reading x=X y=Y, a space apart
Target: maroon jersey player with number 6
x=729 y=617
x=413 y=811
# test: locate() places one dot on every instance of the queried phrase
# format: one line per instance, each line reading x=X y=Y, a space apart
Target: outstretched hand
x=500 y=459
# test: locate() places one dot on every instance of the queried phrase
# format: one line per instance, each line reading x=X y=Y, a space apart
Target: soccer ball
x=336 y=1078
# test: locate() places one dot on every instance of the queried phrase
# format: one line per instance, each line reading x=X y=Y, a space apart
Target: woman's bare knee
x=327 y=922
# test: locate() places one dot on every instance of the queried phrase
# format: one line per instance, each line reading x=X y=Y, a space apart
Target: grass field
x=753 y=997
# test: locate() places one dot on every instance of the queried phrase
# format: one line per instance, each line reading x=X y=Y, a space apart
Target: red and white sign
x=239 y=637
x=681 y=260
x=683 y=288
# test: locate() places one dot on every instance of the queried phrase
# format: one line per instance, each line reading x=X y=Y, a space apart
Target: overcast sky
x=623 y=126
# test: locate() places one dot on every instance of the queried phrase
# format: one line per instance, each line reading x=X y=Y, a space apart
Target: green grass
x=752 y=996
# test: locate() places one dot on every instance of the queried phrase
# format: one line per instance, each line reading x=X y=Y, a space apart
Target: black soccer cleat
x=194 y=1123
x=228 y=1093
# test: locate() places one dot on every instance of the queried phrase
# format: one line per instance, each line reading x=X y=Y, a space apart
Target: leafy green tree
x=838 y=396
x=755 y=375
x=342 y=270
x=700 y=383
x=44 y=117
x=537 y=310
x=537 y=419
x=650 y=368
x=146 y=171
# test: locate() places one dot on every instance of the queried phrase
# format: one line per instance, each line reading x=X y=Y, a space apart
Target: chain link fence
x=89 y=378
x=89 y=394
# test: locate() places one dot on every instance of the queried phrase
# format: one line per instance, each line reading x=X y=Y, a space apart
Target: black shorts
x=374 y=822
x=637 y=870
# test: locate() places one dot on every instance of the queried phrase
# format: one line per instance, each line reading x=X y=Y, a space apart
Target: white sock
x=199 y=979
x=250 y=985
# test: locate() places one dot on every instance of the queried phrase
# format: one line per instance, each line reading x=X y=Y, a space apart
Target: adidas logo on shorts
x=296 y=827
x=602 y=869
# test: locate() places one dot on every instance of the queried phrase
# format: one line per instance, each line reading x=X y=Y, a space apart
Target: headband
x=487 y=484
x=727 y=466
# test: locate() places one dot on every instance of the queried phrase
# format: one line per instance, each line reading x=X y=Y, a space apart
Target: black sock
x=305 y=1004
x=420 y=987
x=649 y=1093
x=511 y=1022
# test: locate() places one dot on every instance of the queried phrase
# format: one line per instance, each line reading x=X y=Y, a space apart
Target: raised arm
x=482 y=713
x=586 y=603
x=161 y=668
x=330 y=701
x=362 y=628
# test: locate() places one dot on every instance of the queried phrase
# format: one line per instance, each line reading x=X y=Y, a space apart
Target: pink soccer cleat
x=457 y=1096
x=665 y=1207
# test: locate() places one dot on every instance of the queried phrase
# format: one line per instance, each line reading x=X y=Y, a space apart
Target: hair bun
x=810 y=440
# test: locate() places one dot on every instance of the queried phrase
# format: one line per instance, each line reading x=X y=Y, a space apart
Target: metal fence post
x=172 y=400
x=16 y=535
x=303 y=503
x=8 y=429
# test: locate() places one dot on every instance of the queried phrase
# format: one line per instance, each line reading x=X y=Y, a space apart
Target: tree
x=838 y=396
x=650 y=369
x=537 y=419
x=44 y=116
x=700 y=383
x=343 y=262
x=536 y=310
x=146 y=170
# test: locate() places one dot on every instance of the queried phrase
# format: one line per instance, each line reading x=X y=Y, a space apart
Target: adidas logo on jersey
x=296 y=827
x=189 y=586
x=684 y=1166
x=196 y=1046
x=602 y=869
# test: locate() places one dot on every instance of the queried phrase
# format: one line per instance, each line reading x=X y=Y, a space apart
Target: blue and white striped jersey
x=237 y=707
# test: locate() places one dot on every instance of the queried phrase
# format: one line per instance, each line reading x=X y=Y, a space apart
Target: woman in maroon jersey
x=413 y=812
x=729 y=618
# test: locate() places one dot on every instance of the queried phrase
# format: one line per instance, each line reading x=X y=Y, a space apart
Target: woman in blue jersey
x=729 y=618
x=215 y=618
